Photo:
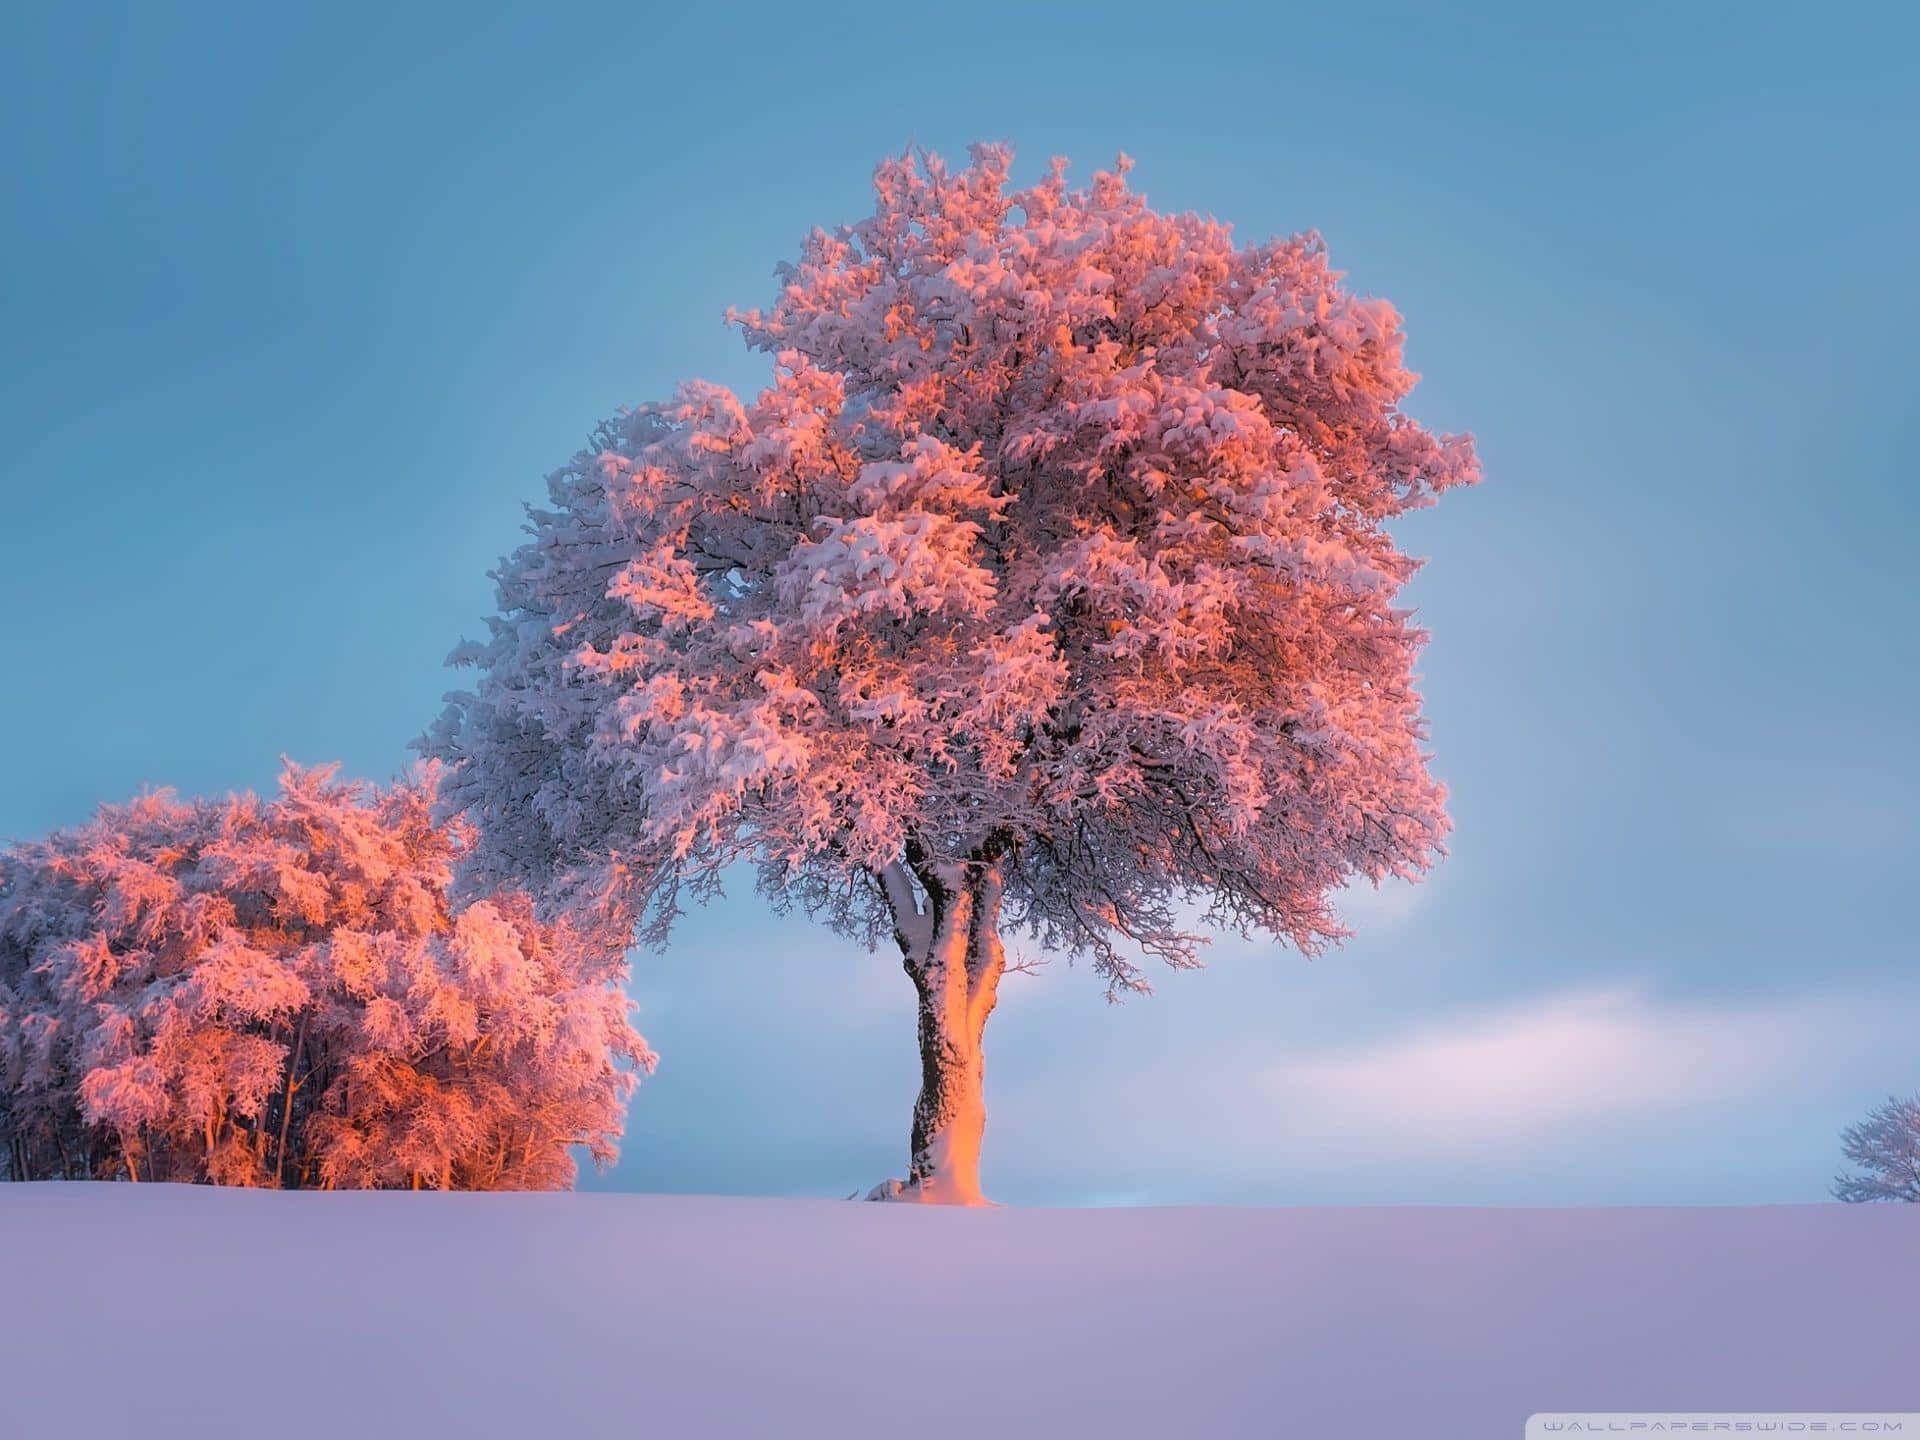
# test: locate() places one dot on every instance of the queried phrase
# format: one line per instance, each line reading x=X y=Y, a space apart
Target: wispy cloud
x=1374 y=910
x=1571 y=1058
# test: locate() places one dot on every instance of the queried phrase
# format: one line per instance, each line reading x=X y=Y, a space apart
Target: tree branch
x=912 y=927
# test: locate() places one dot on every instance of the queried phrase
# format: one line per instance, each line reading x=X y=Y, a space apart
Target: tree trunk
x=286 y=1101
x=953 y=955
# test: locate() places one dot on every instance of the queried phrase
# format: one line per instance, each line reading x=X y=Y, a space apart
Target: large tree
x=1047 y=586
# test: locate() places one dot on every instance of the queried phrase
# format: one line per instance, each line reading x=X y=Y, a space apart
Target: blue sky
x=299 y=305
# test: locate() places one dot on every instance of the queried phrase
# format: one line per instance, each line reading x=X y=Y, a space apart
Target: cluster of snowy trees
x=285 y=993
x=1047 y=587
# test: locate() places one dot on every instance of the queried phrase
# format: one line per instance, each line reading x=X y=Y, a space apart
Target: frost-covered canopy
x=280 y=992
x=1057 y=542
x=1886 y=1147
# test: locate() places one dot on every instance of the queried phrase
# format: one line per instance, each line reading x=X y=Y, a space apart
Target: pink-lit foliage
x=1046 y=586
x=279 y=992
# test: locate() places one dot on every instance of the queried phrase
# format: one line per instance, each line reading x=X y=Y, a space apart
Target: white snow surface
x=151 y=1310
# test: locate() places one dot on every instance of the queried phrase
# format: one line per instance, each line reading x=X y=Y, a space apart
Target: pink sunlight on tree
x=280 y=993
x=1045 y=590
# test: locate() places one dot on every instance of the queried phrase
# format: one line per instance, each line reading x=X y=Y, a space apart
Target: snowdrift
x=140 y=1311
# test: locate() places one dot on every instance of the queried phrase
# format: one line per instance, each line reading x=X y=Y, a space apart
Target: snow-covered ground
x=155 y=1311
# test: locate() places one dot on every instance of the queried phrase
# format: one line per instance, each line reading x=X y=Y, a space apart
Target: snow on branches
x=1886 y=1147
x=281 y=993
x=1047 y=584
x=1061 y=522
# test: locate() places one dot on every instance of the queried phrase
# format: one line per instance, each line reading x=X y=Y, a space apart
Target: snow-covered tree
x=1886 y=1146
x=281 y=993
x=1046 y=587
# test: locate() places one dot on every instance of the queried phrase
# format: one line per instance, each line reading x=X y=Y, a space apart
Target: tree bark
x=286 y=1102
x=953 y=955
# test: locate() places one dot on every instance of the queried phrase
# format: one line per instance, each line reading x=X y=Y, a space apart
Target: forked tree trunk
x=952 y=952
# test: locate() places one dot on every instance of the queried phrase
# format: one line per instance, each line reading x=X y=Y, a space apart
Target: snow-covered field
x=187 y=1312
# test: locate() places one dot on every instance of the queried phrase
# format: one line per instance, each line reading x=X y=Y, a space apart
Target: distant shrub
x=1887 y=1147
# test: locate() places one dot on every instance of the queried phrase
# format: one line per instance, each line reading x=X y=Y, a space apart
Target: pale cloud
x=1367 y=909
x=1574 y=1058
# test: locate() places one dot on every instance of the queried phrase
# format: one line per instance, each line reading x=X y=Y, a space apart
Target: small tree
x=1887 y=1147
x=280 y=993
x=1047 y=586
